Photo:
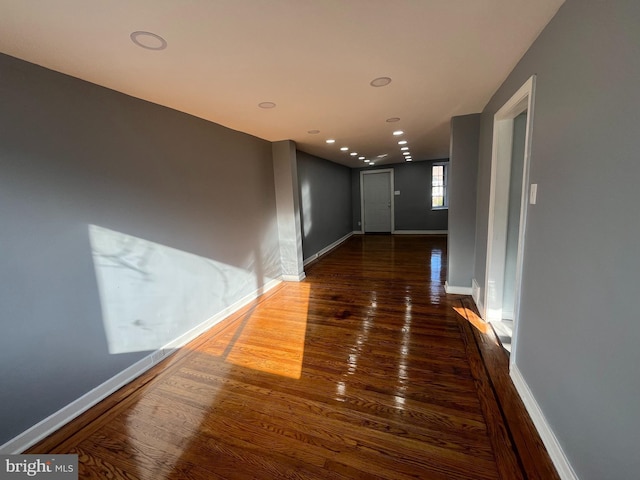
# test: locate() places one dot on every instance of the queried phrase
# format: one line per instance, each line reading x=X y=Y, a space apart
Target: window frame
x=445 y=190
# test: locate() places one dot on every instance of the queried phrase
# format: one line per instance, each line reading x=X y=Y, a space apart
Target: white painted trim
x=294 y=278
x=358 y=232
x=477 y=298
x=63 y=416
x=558 y=457
x=312 y=258
x=456 y=290
x=334 y=245
x=421 y=232
x=390 y=171
x=328 y=248
x=522 y=100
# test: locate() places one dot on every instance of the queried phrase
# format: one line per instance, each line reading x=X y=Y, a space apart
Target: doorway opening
x=509 y=194
x=376 y=201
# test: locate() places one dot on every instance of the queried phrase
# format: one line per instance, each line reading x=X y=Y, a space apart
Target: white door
x=377 y=201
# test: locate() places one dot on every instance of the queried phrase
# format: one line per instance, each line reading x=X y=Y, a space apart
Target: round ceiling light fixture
x=402 y=142
x=267 y=105
x=344 y=149
x=360 y=158
x=313 y=132
x=148 y=40
x=331 y=140
x=398 y=132
x=392 y=119
x=353 y=154
x=380 y=82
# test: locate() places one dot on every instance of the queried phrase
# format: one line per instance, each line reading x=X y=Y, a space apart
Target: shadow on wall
x=150 y=294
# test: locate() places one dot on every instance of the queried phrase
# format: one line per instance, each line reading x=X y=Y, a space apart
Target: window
x=439 y=186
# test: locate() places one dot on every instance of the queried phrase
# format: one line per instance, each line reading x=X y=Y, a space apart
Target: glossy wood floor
x=366 y=370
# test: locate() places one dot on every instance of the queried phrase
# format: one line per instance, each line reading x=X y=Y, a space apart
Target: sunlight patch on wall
x=305 y=200
x=151 y=294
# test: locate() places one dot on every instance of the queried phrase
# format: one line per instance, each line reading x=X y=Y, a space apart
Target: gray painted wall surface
x=463 y=174
x=579 y=329
x=413 y=205
x=73 y=154
x=325 y=202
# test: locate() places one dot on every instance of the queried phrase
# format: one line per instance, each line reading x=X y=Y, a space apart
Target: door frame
x=521 y=101
x=391 y=196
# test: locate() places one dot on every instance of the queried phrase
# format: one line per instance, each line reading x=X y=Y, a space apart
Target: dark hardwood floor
x=366 y=370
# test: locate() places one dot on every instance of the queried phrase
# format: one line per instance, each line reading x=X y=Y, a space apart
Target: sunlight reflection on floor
x=267 y=338
x=472 y=318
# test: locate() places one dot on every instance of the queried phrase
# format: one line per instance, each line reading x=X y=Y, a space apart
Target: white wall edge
x=312 y=258
x=549 y=439
x=294 y=278
x=420 y=232
x=358 y=232
x=328 y=248
x=477 y=299
x=63 y=416
x=456 y=290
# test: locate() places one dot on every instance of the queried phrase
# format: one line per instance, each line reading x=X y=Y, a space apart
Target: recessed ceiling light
x=331 y=140
x=408 y=159
x=353 y=154
x=344 y=149
x=392 y=119
x=267 y=105
x=367 y=161
x=406 y=153
x=380 y=82
x=148 y=40
x=402 y=142
x=371 y=164
x=398 y=132
x=360 y=158
x=404 y=148
x=313 y=132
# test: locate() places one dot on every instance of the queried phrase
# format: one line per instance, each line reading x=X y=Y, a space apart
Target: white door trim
x=521 y=101
x=391 y=183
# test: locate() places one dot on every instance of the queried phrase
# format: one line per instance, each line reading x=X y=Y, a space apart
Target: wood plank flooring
x=365 y=370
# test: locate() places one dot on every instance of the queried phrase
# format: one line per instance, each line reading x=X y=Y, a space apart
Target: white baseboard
x=456 y=290
x=475 y=294
x=420 y=232
x=294 y=278
x=63 y=416
x=358 y=232
x=549 y=439
x=328 y=248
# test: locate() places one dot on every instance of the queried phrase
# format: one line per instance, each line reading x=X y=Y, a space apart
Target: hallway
x=364 y=370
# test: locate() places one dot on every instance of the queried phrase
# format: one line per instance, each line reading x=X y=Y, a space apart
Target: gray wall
x=463 y=174
x=579 y=330
x=413 y=205
x=73 y=154
x=325 y=202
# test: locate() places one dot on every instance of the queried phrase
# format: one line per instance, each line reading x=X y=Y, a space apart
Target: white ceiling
x=313 y=58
